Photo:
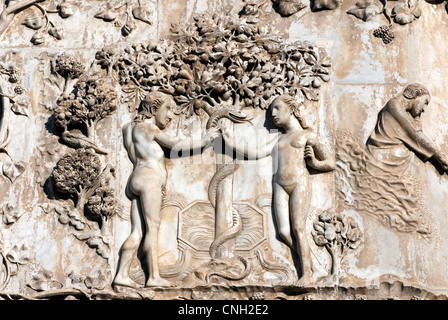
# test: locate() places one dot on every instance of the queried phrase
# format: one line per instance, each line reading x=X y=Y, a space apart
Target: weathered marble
x=223 y=149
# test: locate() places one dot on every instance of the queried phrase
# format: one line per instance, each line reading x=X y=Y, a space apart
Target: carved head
x=159 y=106
x=418 y=97
x=285 y=106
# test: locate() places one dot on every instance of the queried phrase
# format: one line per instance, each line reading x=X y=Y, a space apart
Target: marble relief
x=247 y=149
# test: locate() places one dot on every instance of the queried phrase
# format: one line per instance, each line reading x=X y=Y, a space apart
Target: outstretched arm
x=249 y=152
x=188 y=144
x=318 y=157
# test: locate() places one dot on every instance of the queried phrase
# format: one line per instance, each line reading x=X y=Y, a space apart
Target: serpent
x=229 y=113
x=223 y=172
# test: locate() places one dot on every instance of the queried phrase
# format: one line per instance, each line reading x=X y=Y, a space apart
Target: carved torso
x=290 y=154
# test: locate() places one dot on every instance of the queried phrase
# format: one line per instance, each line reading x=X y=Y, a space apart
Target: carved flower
x=19 y=90
x=102 y=204
x=14 y=74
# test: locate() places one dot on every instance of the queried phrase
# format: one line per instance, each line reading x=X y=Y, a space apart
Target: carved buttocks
x=247 y=149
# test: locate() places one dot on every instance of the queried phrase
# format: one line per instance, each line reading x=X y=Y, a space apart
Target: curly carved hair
x=415 y=90
x=295 y=108
x=150 y=104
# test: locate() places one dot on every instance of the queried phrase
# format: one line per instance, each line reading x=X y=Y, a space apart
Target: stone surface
x=223 y=149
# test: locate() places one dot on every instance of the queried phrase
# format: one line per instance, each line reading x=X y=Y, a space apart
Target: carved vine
x=39 y=19
x=12 y=98
x=125 y=15
x=10 y=260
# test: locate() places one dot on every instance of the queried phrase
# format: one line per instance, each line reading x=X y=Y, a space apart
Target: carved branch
x=8 y=13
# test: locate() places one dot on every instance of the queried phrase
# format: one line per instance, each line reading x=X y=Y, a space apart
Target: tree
x=76 y=173
x=336 y=233
x=93 y=100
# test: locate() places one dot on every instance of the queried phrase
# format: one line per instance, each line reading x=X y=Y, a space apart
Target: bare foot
x=327 y=280
x=159 y=282
x=304 y=281
x=123 y=282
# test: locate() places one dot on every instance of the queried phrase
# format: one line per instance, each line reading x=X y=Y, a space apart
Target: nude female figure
x=296 y=148
x=143 y=139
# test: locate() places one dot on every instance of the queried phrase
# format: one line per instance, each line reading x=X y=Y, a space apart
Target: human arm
x=127 y=141
x=188 y=144
x=318 y=157
x=250 y=152
x=408 y=129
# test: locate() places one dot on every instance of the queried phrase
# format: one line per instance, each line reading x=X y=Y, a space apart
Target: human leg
x=281 y=210
x=151 y=202
x=129 y=248
x=300 y=203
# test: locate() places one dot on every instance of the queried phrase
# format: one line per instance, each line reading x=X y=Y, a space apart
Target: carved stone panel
x=231 y=149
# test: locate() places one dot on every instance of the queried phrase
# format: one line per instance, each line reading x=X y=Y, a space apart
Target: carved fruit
x=66 y=10
x=330 y=233
x=289 y=7
x=364 y=10
x=56 y=32
x=405 y=13
x=108 y=16
x=325 y=4
x=38 y=38
x=129 y=27
x=34 y=21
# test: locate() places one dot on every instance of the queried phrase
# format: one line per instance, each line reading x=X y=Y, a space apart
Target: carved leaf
x=20 y=107
x=404 y=13
x=364 y=10
x=11 y=214
x=326 y=4
x=44 y=282
x=108 y=15
x=66 y=10
x=13 y=170
x=19 y=254
x=320 y=240
x=38 y=38
x=330 y=233
x=96 y=280
x=56 y=32
x=320 y=230
x=33 y=21
x=141 y=14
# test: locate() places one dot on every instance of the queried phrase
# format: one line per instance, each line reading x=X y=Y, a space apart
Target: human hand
x=309 y=152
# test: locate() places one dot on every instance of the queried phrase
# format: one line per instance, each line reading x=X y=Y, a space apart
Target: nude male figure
x=143 y=139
